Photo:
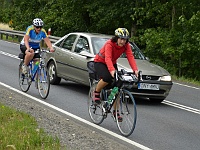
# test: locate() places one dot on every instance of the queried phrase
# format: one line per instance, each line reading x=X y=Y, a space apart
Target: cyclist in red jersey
x=106 y=60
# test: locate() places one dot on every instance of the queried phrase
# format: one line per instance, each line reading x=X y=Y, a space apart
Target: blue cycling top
x=35 y=39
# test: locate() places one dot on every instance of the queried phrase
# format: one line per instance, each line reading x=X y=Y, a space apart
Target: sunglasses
x=39 y=27
x=123 y=39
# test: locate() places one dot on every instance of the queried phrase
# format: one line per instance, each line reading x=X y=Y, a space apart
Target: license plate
x=148 y=86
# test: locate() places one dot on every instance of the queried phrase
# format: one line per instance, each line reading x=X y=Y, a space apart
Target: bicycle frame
x=105 y=96
x=123 y=104
x=39 y=75
x=105 y=91
x=31 y=66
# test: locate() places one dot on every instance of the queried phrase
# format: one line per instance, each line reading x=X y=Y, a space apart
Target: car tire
x=54 y=79
x=156 y=100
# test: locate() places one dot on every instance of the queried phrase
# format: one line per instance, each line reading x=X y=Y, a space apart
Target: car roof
x=92 y=34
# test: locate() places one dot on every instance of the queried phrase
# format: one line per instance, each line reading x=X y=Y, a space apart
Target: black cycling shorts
x=23 y=49
x=102 y=71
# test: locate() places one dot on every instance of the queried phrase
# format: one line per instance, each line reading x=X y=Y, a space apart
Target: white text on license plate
x=148 y=86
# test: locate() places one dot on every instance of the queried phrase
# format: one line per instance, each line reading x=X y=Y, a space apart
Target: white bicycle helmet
x=38 y=22
x=122 y=33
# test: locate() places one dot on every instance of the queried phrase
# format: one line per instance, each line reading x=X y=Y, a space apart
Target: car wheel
x=54 y=79
x=156 y=100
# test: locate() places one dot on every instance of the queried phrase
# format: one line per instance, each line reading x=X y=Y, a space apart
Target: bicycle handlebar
x=123 y=76
x=41 y=50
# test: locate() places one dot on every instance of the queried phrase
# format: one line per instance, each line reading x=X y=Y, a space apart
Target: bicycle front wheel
x=128 y=112
x=95 y=110
x=43 y=82
x=24 y=80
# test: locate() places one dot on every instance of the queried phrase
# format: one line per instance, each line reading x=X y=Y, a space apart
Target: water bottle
x=35 y=67
x=112 y=95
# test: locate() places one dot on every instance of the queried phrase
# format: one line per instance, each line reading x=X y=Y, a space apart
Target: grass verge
x=20 y=131
x=192 y=82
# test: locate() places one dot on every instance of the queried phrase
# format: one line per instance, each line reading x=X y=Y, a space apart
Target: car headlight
x=165 y=78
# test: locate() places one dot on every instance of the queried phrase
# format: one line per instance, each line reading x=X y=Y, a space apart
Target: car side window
x=59 y=43
x=82 y=45
x=68 y=42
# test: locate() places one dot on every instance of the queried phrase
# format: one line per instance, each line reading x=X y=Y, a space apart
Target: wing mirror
x=86 y=54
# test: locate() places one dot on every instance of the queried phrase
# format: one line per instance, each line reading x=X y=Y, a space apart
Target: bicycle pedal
x=104 y=109
x=113 y=118
x=95 y=104
x=29 y=80
x=104 y=116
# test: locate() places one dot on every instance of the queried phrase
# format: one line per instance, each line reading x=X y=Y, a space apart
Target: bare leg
x=116 y=109
x=116 y=106
x=101 y=84
x=28 y=57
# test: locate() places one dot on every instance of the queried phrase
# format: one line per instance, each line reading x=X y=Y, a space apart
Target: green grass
x=20 y=131
x=186 y=80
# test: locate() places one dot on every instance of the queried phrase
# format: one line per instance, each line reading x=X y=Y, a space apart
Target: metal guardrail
x=17 y=36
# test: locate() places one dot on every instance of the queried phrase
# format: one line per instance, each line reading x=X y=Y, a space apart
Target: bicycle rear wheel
x=43 y=82
x=127 y=110
x=24 y=80
x=95 y=111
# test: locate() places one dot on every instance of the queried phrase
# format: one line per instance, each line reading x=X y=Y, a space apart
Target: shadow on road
x=79 y=88
x=73 y=86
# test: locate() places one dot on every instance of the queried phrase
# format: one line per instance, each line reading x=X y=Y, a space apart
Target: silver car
x=74 y=50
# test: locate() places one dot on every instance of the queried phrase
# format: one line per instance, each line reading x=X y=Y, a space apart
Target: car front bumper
x=162 y=93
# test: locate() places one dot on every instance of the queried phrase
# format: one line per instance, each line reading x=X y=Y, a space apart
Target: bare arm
x=48 y=42
x=26 y=39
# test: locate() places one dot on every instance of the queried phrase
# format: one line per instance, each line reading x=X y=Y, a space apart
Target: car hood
x=145 y=66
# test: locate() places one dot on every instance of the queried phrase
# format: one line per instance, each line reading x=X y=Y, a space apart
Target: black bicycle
x=36 y=73
x=124 y=100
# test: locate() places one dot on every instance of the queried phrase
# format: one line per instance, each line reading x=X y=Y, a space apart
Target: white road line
x=8 y=54
x=80 y=119
x=190 y=109
x=187 y=86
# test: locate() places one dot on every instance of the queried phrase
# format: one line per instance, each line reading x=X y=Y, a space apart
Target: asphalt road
x=173 y=124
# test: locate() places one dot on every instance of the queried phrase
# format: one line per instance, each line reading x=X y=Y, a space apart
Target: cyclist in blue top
x=31 y=42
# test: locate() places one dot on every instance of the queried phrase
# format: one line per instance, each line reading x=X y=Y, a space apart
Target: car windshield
x=136 y=51
x=98 y=42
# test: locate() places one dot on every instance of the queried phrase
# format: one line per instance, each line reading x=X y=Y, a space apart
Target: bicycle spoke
x=24 y=81
x=95 y=111
x=128 y=113
x=128 y=122
x=43 y=82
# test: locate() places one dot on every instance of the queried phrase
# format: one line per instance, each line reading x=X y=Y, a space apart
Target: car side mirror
x=86 y=54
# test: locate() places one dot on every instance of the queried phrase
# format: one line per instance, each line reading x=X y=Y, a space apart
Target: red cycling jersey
x=110 y=52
